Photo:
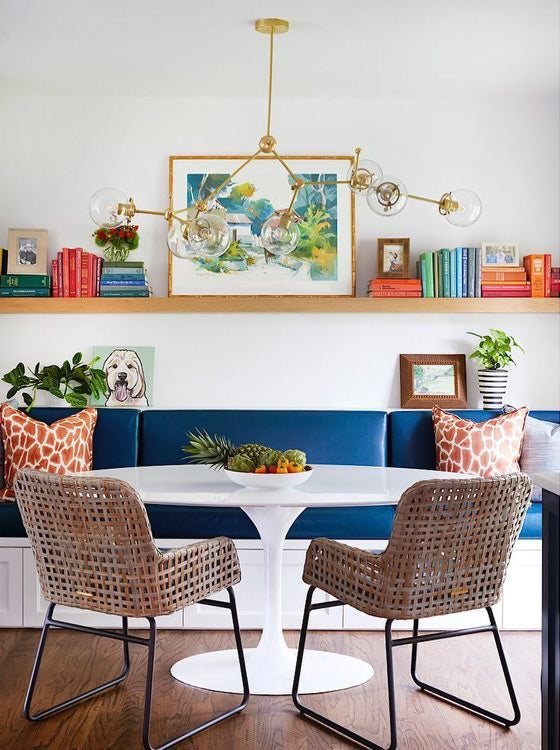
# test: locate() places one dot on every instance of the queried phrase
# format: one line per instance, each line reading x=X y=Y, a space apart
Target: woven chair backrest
x=451 y=544
x=90 y=538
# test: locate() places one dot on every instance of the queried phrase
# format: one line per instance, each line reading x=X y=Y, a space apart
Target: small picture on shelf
x=433 y=380
x=392 y=257
x=27 y=251
x=500 y=254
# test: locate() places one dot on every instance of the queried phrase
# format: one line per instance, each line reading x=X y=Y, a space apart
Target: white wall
x=55 y=151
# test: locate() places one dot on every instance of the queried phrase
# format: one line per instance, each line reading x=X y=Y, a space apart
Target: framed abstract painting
x=323 y=262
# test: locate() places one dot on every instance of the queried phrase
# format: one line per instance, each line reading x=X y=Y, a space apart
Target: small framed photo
x=27 y=251
x=500 y=254
x=392 y=258
x=433 y=380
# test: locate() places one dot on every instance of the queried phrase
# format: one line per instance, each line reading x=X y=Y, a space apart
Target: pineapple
x=216 y=450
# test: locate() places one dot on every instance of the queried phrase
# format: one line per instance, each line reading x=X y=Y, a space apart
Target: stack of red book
x=555 y=282
x=76 y=273
x=505 y=281
x=395 y=288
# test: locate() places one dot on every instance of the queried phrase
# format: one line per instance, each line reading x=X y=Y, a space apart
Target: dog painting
x=129 y=373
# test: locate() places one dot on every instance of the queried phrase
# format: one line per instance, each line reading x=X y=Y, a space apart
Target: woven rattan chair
x=94 y=549
x=448 y=552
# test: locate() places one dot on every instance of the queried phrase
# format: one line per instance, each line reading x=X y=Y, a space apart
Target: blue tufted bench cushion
x=412 y=445
x=115 y=443
x=337 y=437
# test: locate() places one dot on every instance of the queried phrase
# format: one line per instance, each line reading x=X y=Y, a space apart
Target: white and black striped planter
x=492 y=385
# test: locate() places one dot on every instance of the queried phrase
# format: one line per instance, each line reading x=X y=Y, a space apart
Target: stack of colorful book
x=24 y=285
x=76 y=273
x=124 y=279
x=555 y=282
x=451 y=272
x=395 y=288
x=505 y=281
x=539 y=272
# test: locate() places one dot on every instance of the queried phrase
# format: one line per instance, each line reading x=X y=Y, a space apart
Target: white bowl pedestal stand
x=271 y=664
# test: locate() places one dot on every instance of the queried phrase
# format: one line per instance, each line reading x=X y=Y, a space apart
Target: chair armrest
x=189 y=574
x=349 y=574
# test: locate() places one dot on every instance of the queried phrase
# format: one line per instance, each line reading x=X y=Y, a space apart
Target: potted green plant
x=493 y=354
x=117 y=242
x=72 y=382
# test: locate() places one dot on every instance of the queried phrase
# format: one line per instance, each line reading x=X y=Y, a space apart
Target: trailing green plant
x=72 y=382
x=494 y=349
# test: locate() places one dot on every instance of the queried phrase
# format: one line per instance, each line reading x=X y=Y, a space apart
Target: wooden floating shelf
x=199 y=305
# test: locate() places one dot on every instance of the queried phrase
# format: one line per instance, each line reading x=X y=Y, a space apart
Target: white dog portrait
x=126 y=382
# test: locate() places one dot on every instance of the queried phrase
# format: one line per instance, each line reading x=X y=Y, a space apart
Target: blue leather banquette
x=127 y=437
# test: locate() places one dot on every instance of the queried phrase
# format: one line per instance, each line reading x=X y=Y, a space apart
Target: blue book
x=136 y=277
x=459 y=271
x=464 y=273
x=452 y=274
x=471 y=272
x=478 y=272
x=445 y=277
x=140 y=281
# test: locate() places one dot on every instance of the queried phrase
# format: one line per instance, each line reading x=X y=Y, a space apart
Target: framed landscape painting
x=323 y=263
x=433 y=380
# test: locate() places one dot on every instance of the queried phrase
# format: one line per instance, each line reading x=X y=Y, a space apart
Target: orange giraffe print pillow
x=486 y=449
x=63 y=447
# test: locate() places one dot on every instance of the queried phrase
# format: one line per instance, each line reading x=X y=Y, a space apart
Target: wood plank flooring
x=74 y=662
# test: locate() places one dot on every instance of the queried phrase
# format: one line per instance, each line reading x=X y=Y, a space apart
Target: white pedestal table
x=271 y=664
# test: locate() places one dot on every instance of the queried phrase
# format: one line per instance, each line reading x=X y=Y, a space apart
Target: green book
x=435 y=258
x=440 y=273
x=429 y=269
x=123 y=264
x=446 y=278
x=18 y=291
x=125 y=293
x=423 y=273
x=119 y=270
x=24 y=281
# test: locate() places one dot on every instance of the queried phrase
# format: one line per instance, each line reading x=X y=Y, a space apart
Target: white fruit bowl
x=268 y=481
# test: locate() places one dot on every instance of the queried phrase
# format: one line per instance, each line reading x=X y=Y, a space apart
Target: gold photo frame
x=393 y=257
x=27 y=252
x=429 y=380
x=250 y=273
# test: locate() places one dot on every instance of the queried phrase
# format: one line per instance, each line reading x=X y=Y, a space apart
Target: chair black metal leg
x=150 y=682
x=326 y=722
x=48 y=623
x=436 y=692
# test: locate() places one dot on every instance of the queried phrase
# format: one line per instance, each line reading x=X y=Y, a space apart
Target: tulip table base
x=272 y=674
x=272 y=664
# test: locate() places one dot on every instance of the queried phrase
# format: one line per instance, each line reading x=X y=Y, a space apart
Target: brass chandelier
x=200 y=229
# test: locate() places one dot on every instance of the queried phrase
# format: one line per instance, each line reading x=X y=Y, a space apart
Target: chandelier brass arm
x=204 y=231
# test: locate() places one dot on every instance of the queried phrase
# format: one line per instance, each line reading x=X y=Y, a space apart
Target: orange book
x=504 y=274
x=534 y=265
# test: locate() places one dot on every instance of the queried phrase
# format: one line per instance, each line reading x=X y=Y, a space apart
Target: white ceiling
x=355 y=49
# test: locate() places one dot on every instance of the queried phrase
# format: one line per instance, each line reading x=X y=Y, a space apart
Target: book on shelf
x=538 y=267
x=54 y=277
x=124 y=264
x=504 y=274
x=122 y=271
x=395 y=294
x=125 y=292
x=506 y=293
x=30 y=281
x=123 y=280
x=458 y=272
x=517 y=286
x=77 y=273
x=3 y=261
x=18 y=291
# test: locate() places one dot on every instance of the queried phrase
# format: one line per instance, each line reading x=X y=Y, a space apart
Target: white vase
x=492 y=385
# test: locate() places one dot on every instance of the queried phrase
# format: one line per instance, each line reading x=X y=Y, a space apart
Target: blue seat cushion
x=172 y=521
x=327 y=437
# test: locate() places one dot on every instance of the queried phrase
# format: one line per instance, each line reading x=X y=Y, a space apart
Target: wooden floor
x=113 y=721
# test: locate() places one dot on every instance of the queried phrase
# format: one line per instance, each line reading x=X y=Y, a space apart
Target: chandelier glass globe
x=209 y=235
x=177 y=243
x=104 y=207
x=363 y=178
x=469 y=209
x=387 y=196
x=280 y=234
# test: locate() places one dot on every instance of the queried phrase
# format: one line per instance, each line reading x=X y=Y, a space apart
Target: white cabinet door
x=11 y=584
x=249 y=596
x=35 y=607
x=522 y=590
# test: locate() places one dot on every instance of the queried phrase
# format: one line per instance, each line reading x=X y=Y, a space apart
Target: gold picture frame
x=27 y=252
x=220 y=285
x=387 y=247
x=429 y=380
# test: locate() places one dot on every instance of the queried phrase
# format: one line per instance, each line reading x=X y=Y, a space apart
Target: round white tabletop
x=271 y=664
